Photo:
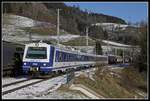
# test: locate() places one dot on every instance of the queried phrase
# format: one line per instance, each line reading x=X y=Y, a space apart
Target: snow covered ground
x=37 y=89
x=25 y=37
x=47 y=89
x=66 y=37
x=19 y=21
x=19 y=84
x=8 y=80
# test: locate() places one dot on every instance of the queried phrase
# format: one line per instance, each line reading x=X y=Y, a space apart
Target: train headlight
x=24 y=63
x=44 y=64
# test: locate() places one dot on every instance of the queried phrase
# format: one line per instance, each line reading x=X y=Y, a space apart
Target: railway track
x=11 y=87
x=13 y=83
x=8 y=88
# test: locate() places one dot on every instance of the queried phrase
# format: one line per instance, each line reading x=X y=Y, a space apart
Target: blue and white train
x=45 y=58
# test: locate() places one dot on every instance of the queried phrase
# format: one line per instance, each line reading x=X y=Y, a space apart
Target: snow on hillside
x=115 y=43
x=110 y=26
x=13 y=25
x=20 y=21
x=66 y=37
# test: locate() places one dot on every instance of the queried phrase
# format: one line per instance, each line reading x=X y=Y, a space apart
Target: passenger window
x=60 y=57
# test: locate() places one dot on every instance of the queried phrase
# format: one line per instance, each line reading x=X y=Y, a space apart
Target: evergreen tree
x=98 y=48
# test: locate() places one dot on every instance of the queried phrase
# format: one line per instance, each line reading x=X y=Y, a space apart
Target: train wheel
x=60 y=72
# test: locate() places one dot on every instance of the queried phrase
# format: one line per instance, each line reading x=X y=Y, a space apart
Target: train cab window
x=36 y=53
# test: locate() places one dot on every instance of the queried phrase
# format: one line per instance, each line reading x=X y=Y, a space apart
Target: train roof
x=38 y=43
x=64 y=49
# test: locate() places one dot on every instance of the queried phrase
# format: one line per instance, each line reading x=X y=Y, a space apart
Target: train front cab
x=38 y=57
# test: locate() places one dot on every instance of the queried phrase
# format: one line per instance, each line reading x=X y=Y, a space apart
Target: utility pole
x=30 y=37
x=29 y=28
x=87 y=29
x=58 y=26
x=107 y=47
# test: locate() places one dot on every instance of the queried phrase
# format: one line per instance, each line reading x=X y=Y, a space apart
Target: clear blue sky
x=129 y=11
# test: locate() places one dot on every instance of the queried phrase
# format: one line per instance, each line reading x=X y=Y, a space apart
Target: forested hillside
x=72 y=19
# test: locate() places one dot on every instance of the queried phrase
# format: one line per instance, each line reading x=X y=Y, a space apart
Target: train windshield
x=36 y=53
